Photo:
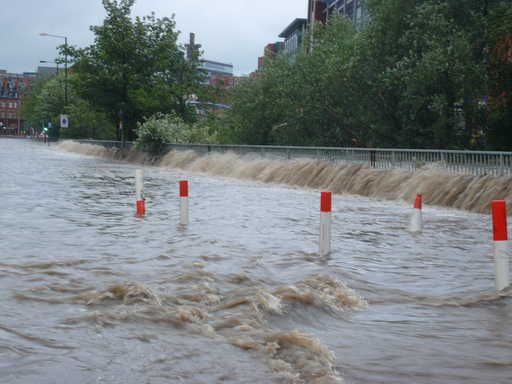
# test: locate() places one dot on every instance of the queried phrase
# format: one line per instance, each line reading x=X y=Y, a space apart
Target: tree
x=307 y=102
x=45 y=103
x=134 y=68
x=500 y=77
x=415 y=76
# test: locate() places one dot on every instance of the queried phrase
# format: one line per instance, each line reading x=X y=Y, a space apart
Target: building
x=319 y=11
x=217 y=73
x=293 y=36
x=44 y=71
x=13 y=87
x=355 y=10
x=316 y=11
x=269 y=52
x=212 y=68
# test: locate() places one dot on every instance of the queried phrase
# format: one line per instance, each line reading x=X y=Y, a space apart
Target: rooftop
x=294 y=26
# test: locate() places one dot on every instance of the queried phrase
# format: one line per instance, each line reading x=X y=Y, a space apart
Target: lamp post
x=51 y=62
x=65 y=64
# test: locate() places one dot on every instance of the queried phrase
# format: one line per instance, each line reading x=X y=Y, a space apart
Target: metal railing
x=464 y=162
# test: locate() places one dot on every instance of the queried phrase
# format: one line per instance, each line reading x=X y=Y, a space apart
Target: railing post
x=502 y=170
x=373 y=161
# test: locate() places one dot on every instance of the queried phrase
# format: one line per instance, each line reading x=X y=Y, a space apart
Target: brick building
x=270 y=51
x=13 y=87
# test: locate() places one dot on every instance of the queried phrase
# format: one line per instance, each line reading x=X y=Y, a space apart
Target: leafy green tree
x=311 y=101
x=134 y=68
x=255 y=109
x=45 y=103
x=500 y=76
x=417 y=75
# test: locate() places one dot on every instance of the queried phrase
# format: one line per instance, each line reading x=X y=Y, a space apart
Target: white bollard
x=184 y=202
x=500 y=237
x=139 y=192
x=416 y=225
x=325 y=223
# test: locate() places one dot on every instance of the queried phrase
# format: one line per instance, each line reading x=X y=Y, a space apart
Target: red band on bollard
x=141 y=207
x=326 y=203
x=183 y=188
x=499 y=220
x=418 y=203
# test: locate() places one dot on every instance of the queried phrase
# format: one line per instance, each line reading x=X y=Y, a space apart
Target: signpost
x=64 y=121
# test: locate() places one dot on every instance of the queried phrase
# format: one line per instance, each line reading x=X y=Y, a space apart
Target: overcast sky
x=230 y=31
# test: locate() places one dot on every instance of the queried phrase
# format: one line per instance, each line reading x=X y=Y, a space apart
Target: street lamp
x=50 y=62
x=65 y=64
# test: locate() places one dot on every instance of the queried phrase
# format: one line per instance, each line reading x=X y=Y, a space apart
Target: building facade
x=354 y=10
x=319 y=11
x=316 y=11
x=217 y=73
x=271 y=50
x=293 y=36
x=13 y=87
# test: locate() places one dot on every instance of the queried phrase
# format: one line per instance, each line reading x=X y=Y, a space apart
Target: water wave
x=467 y=192
x=468 y=300
x=228 y=308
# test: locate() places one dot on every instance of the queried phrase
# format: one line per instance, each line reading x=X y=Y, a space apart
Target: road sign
x=64 y=121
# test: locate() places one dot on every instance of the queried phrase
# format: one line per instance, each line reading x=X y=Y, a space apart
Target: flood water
x=90 y=293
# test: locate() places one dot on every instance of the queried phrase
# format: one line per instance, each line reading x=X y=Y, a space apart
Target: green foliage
x=500 y=76
x=415 y=76
x=158 y=130
x=87 y=123
x=135 y=68
x=45 y=103
x=161 y=129
x=426 y=78
x=307 y=102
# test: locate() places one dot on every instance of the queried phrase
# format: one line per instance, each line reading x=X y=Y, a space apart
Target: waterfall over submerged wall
x=467 y=192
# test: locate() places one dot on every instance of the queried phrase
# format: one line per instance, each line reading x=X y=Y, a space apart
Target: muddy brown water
x=89 y=293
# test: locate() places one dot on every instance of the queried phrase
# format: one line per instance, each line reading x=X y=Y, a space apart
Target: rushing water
x=89 y=293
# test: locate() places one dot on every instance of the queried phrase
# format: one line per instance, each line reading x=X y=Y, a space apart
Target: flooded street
x=89 y=293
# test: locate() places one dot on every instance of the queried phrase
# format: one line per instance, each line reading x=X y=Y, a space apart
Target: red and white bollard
x=184 y=202
x=416 y=225
x=139 y=192
x=325 y=223
x=500 y=237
